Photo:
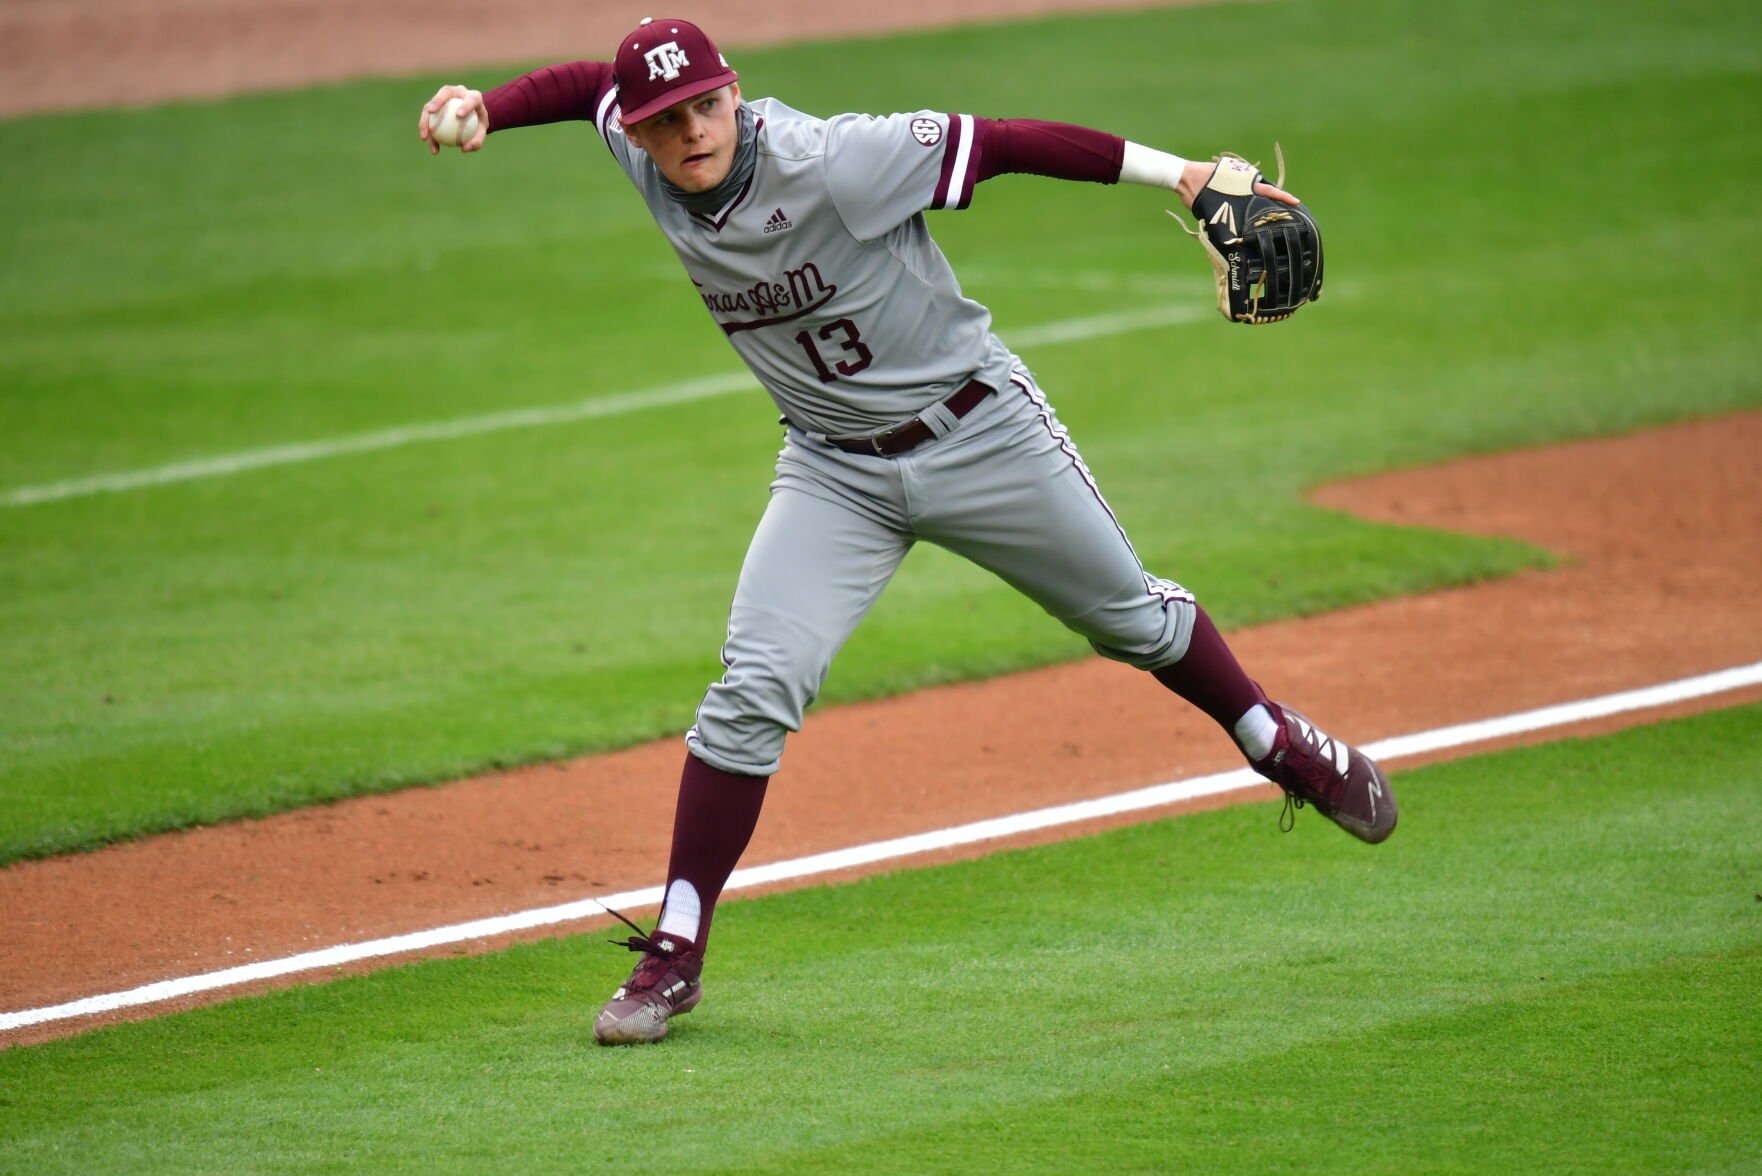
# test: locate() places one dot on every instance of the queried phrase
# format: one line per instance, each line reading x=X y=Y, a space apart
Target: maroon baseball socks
x=1209 y=677
x=714 y=820
x=717 y=810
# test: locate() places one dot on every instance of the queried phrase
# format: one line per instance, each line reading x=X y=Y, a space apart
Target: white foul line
x=1157 y=796
x=1046 y=334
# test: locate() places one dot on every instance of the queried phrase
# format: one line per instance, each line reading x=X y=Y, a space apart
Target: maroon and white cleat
x=664 y=985
x=1345 y=785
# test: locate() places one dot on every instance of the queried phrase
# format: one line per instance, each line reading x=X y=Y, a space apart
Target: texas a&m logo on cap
x=665 y=61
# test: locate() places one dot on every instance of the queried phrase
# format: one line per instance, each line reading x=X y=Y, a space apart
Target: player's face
x=692 y=142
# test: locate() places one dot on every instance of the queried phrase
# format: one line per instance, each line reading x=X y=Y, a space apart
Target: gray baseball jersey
x=822 y=274
x=821 y=271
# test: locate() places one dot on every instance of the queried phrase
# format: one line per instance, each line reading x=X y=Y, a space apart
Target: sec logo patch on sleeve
x=927 y=131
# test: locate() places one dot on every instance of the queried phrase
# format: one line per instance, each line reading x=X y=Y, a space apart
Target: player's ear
x=631 y=135
x=734 y=92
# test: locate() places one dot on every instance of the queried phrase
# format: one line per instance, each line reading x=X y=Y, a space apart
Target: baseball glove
x=1268 y=255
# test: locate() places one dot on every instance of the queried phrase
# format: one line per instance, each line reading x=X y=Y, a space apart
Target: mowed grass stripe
x=871 y=853
x=1075 y=330
x=1550 y=966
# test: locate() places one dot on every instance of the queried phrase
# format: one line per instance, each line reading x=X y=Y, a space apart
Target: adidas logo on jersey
x=778 y=222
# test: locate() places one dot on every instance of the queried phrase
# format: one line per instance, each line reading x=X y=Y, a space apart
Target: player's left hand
x=1195 y=175
x=1265 y=247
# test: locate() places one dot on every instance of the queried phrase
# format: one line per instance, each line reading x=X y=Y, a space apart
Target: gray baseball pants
x=1004 y=487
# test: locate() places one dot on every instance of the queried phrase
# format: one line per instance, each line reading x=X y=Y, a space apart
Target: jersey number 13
x=851 y=341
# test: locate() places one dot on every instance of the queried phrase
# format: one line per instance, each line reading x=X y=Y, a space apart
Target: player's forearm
x=557 y=93
x=1031 y=147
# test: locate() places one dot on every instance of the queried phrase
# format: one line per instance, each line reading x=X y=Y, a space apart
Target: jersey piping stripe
x=602 y=116
x=717 y=220
x=952 y=180
x=961 y=190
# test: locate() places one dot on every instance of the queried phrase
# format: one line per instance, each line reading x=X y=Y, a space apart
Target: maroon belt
x=913 y=433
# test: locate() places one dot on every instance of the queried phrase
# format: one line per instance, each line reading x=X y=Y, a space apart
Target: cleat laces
x=657 y=960
x=1312 y=774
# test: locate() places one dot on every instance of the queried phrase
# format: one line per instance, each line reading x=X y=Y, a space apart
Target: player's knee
x=1146 y=633
x=743 y=723
x=745 y=718
x=733 y=747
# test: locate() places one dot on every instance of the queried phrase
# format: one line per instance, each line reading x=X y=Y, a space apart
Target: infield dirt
x=1660 y=579
x=1652 y=586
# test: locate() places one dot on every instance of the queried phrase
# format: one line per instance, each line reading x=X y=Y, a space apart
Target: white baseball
x=448 y=129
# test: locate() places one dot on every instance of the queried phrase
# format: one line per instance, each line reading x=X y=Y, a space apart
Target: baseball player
x=905 y=419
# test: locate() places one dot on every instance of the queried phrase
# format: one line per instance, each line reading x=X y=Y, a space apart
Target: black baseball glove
x=1267 y=254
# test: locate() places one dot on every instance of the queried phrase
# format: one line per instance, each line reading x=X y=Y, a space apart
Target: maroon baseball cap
x=663 y=62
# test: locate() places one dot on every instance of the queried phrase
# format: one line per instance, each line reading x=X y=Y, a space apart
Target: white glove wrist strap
x=1150 y=167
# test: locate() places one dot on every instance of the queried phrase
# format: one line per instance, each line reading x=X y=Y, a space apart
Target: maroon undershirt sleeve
x=557 y=93
x=1030 y=146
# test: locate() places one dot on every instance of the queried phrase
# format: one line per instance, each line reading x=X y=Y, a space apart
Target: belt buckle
x=888 y=435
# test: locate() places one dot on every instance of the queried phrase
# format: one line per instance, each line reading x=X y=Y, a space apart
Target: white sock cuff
x=682 y=912
x=1255 y=732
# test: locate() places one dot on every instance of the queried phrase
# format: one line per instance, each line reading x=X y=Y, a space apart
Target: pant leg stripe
x=1166 y=591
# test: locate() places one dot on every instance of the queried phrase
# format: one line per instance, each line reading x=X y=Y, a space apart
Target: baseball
x=448 y=129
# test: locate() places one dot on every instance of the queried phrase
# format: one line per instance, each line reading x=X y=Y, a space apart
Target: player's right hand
x=473 y=98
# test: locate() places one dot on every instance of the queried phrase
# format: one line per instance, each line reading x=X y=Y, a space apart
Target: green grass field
x=1517 y=196
x=1552 y=967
